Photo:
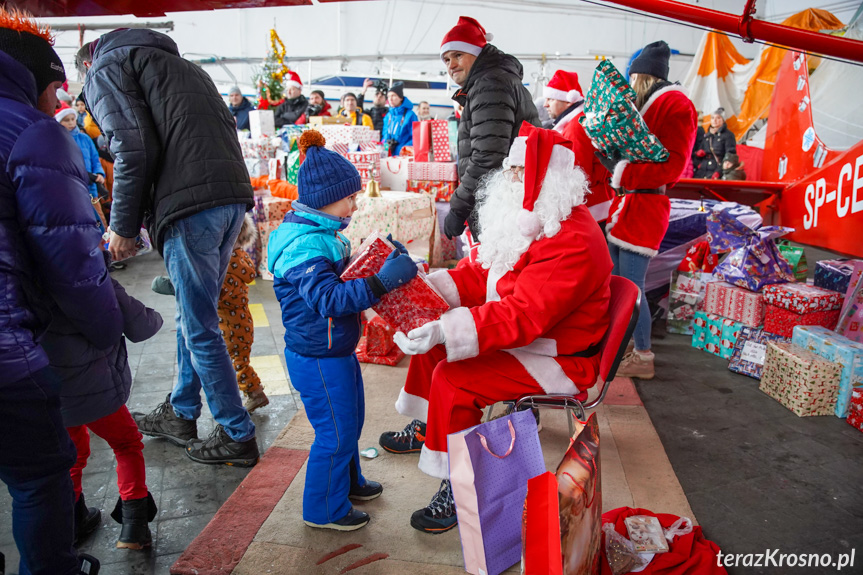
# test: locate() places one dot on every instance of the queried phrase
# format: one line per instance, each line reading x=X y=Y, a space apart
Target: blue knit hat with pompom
x=325 y=177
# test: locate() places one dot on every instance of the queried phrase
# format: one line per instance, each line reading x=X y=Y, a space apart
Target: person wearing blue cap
x=307 y=253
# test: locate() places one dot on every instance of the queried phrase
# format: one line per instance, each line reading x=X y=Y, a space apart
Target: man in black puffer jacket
x=179 y=166
x=495 y=105
x=293 y=109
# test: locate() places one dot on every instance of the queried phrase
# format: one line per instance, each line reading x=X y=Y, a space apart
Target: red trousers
x=121 y=433
x=453 y=395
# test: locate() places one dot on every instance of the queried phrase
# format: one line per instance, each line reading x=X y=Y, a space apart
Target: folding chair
x=623 y=308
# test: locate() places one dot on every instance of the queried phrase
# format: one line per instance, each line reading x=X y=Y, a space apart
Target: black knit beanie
x=34 y=53
x=398 y=88
x=653 y=60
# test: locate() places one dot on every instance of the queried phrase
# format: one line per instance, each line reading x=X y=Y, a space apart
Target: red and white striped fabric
x=734 y=302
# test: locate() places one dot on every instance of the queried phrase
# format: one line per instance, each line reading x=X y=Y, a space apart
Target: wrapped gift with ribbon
x=802 y=381
x=794 y=304
x=750 y=351
x=406 y=307
x=754 y=261
x=612 y=121
x=838 y=349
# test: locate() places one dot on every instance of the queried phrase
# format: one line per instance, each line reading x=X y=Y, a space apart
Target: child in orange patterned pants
x=235 y=319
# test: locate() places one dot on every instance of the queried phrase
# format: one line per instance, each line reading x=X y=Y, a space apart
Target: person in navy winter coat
x=93 y=394
x=399 y=121
x=306 y=255
x=240 y=107
x=49 y=256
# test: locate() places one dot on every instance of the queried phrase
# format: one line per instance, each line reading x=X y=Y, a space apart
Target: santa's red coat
x=552 y=304
x=638 y=222
x=599 y=199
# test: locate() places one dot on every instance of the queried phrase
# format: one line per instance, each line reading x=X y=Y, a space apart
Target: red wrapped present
x=699 y=258
x=442 y=191
x=394 y=356
x=855 y=408
x=364 y=162
x=737 y=303
x=379 y=337
x=440 y=171
x=782 y=321
x=407 y=307
x=802 y=298
x=440 y=140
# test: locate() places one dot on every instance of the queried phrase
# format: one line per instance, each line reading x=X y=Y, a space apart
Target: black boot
x=87 y=519
x=135 y=514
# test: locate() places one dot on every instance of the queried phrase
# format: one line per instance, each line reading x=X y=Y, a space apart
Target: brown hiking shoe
x=255 y=399
x=637 y=364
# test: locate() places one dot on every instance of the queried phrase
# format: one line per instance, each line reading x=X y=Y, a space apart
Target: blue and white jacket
x=306 y=255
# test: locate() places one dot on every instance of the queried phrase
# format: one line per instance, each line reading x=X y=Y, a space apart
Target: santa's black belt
x=658 y=191
x=589 y=352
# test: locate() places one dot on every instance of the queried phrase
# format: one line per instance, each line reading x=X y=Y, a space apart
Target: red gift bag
x=422 y=141
x=431 y=141
x=541 y=527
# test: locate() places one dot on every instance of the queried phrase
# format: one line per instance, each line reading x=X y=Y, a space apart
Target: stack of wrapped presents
x=803 y=341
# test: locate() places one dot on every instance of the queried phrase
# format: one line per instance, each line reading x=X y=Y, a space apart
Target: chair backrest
x=623 y=310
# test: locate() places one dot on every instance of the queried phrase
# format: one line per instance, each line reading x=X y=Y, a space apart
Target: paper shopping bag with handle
x=577 y=515
x=489 y=467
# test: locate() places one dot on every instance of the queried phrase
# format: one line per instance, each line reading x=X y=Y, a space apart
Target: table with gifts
x=408 y=217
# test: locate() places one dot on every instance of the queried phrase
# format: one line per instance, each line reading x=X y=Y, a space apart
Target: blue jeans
x=197 y=250
x=332 y=392
x=35 y=457
x=633 y=267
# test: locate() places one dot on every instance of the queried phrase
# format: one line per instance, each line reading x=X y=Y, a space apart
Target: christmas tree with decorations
x=270 y=77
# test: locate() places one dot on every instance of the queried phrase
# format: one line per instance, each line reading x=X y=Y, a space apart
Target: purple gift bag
x=489 y=466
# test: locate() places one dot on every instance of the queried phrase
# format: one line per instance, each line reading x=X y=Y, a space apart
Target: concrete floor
x=757 y=477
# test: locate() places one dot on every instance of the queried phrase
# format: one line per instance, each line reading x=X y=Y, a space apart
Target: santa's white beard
x=499 y=202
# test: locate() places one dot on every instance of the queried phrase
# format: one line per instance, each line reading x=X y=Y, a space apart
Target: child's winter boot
x=255 y=398
x=135 y=514
x=87 y=519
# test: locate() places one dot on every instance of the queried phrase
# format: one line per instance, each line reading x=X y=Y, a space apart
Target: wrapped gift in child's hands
x=406 y=307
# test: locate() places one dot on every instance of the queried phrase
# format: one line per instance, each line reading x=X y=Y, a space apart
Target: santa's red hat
x=467 y=36
x=563 y=86
x=293 y=79
x=538 y=151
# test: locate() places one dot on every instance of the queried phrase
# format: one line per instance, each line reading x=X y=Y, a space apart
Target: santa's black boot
x=135 y=514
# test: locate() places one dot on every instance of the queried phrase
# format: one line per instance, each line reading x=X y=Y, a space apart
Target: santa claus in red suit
x=565 y=104
x=638 y=218
x=526 y=317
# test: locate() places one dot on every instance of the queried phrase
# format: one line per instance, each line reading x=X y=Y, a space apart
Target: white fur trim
x=293 y=83
x=553 y=93
x=661 y=92
x=517 y=152
x=545 y=370
x=434 y=463
x=618 y=173
x=632 y=247
x=529 y=224
x=445 y=285
x=612 y=221
x=562 y=158
x=460 y=47
x=541 y=346
x=412 y=406
x=462 y=339
x=494 y=275
x=489 y=37
x=600 y=211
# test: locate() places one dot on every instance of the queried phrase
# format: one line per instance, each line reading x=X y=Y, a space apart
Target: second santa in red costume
x=564 y=101
x=526 y=317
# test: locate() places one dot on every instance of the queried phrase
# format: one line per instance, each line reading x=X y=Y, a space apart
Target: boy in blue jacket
x=307 y=254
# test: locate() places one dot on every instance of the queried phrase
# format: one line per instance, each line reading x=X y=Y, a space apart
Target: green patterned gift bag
x=613 y=123
x=795 y=256
x=293 y=162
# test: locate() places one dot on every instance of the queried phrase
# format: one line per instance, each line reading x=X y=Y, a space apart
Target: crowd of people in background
x=59 y=268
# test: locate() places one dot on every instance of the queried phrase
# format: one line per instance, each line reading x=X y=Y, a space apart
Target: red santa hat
x=467 y=35
x=563 y=86
x=293 y=79
x=538 y=151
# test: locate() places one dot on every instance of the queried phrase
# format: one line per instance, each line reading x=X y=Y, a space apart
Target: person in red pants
x=95 y=385
x=526 y=317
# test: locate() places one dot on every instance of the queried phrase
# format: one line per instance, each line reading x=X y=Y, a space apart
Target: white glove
x=421 y=339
